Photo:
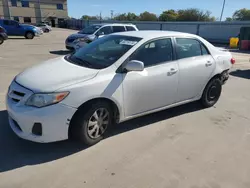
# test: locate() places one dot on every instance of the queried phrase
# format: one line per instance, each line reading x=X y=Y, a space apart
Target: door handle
x=172 y=71
x=209 y=63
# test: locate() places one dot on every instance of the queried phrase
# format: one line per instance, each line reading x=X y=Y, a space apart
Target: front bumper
x=69 y=45
x=54 y=119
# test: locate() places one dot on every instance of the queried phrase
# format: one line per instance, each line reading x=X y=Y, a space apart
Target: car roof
x=154 y=34
x=113 y=24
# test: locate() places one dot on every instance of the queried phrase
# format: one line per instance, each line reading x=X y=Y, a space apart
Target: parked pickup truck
x=13 y=28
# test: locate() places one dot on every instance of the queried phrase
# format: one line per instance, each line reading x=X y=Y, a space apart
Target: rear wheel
x=1 y=40
x=46 y=30
x=211 y=93
x=29 y=35
x=90 y=125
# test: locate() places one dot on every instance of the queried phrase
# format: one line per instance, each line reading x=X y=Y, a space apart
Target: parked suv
x=95 y=31
x=13 y=28
x=3 y=35
x=114 y=79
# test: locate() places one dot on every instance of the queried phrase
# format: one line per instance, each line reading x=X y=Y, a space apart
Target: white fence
x=213 y=31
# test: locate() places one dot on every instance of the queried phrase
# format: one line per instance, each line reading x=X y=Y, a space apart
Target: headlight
x=80 y=40
x=42 y=99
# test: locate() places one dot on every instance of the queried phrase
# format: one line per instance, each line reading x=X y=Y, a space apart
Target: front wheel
x=211 y=93
x=90 y=125
x=29 y=35
x=1 y=40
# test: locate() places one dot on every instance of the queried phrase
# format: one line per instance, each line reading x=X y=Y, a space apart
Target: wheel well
x=216 y=76
x=87 y=104
x=29 y=32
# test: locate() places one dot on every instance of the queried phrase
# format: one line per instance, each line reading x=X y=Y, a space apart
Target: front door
x=156 y=86
x=196 y=66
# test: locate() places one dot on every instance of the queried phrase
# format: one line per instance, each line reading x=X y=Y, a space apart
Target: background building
x=34 y=11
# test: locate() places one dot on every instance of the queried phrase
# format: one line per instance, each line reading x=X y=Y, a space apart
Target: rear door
x=196 y=66
x=15 y=28
x=5 y=24
x=11 y=27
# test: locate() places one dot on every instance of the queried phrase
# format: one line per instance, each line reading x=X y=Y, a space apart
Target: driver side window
x=154 y=52
x=105 y=30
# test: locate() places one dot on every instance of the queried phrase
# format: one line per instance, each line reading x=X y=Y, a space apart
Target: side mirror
x=99 y=34
x=134 y=65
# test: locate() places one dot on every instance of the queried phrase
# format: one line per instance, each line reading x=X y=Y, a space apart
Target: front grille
x=71 y=40
x=19 y=93
x=16 y=125
x=16 y=96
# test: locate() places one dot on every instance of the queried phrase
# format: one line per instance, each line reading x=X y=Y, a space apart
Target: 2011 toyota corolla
x=114 y=79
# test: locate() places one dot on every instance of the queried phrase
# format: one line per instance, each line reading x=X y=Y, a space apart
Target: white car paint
x=135 y=93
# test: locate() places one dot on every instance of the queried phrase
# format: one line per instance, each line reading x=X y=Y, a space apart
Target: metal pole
x=222 y=11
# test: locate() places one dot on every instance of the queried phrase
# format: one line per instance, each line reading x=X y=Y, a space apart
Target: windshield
x=104 y=51
x=90 y=30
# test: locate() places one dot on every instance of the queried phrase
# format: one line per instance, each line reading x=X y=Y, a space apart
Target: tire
x=211 y=93
x=1 y=40
x=86 y=126
x=29 y=35
x=46 y=31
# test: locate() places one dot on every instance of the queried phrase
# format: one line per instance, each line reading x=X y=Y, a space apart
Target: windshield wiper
x=84 y=62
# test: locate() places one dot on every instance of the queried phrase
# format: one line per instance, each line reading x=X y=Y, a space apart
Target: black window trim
x=129 y=26
x=121 y=69
x=111 y=29
x=118 y=26
x=201 y=44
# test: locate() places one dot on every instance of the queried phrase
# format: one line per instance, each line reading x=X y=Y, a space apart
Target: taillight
x=233 y=61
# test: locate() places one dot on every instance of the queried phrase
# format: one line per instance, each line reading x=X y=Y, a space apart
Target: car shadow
x=17 y=153
x=17 y=38
x=241 y=73
x=60 y=52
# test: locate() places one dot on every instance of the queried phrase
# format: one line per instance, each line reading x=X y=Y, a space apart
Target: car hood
x=53 y=75
x=77 y=35
x=27 y=26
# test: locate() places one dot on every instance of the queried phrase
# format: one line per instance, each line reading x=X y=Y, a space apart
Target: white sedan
x=113 y=79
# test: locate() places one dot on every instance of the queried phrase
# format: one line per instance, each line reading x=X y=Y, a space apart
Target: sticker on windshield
x=128 y=42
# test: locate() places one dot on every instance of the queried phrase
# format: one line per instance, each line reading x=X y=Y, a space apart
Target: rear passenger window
x=130 y=28
x=118 y=29
x=155 y=52
x=188 y=48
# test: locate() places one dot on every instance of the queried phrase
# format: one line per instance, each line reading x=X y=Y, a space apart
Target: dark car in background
x=3 y=35
x=95 y=31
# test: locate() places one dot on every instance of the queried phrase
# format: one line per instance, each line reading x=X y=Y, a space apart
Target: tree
x=242 y=15
x=86 y=17
x=169 y=15
x=132 y=17
x=147 y=16
x=121 y=17
x=194 y=14
x=229 y=19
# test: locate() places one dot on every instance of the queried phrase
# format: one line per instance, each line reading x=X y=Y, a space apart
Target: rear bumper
x=225 y=76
